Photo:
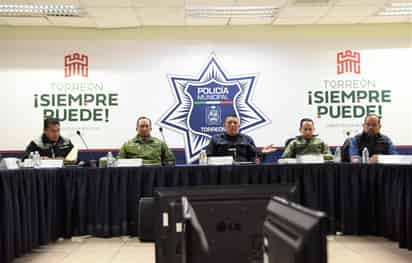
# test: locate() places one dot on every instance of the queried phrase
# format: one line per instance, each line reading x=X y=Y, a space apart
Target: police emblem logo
x=202 y=103
x=213 y=115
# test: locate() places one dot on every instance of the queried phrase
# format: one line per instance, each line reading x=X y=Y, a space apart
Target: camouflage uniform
x=300 y=146
x=151 y=150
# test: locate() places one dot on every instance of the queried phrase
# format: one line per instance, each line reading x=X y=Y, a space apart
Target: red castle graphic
x=348 y=61
x=76 y=65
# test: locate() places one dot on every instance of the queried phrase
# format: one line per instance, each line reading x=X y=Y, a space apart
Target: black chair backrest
x=288 y=141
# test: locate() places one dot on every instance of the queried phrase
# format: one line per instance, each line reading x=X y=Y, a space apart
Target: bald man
x=144 y=146
x=372 y=139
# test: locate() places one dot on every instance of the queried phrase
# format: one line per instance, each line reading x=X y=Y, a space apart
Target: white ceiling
x=135 y=13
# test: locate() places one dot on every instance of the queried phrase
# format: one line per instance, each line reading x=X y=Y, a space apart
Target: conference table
x=39 y=206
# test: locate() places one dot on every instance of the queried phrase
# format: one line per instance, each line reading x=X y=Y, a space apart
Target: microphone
x=52 y=152
x=163 y=136
x=233 y=150
x=83 y=140
x=163 y=157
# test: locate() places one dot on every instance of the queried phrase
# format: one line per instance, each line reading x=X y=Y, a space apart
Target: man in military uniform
x=372 y=139
x=232 y=143
x=50 y=144
x=306 y=143
x=146 y=147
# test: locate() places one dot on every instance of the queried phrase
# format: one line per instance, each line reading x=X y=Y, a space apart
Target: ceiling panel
x=190 y=3
x=162 y=16
x=123 y=22
x=353 y=11
x=72 y=22
x=27 y=21
x=274 y=3
x=106 y=3
x=251 y=21
x=206 y=21
x=360 y=2
x=295 y=21
x=304 y=11
x=132 y=13
x=158 y=3
x=102 y=12
x=114 y=17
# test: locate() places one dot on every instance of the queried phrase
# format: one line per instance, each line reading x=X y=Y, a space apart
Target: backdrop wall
x=187 y=79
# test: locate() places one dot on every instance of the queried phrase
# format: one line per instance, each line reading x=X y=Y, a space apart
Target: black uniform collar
x=47 y=141
x=230 y=137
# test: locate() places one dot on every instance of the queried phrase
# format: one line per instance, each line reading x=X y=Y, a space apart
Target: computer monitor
x=294 y=234
x=231 y=216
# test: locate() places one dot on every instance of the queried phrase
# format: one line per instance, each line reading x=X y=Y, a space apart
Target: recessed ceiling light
x=231 y=12
x=396 y=9
x=21 y=10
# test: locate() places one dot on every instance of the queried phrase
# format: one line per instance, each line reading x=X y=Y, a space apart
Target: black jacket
x=45 y=147
x=223 y=145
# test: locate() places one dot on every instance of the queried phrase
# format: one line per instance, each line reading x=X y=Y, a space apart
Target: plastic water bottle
x=338 y=156
x=36 y=159
x=203 y=157
x=30 y=160
x=110 y=159
x=365 y=155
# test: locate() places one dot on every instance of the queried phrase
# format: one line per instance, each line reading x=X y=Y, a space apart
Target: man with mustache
x=372 y=139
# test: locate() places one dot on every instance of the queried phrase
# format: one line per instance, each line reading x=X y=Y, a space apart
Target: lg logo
x=228 y=226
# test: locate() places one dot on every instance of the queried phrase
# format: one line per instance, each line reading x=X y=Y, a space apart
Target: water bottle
x=29 y=162
x=110 y=159
x=338 y=157
x=365 y=155
x=36 y=159
x=203 y=158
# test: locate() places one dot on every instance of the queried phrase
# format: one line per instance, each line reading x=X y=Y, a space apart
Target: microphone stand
x=89 y=163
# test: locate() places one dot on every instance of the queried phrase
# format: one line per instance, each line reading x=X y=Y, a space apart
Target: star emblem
x=203 y=101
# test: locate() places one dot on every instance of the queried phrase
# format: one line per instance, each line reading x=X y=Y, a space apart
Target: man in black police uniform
x=372 y=139
x=232 y=143
x=50 y=144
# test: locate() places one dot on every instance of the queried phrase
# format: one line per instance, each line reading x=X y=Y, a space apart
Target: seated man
x=232 y=143
x=50 y=144
x=306 y=143
x=372 y=139
x=146 y=147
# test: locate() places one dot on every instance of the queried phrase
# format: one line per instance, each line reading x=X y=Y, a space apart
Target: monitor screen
x=294 y=234
x=232 y=218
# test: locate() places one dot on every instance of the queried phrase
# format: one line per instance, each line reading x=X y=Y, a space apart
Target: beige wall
x=288 y=61
x=248 y=33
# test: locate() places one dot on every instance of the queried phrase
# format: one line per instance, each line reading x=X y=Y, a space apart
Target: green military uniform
x=150 y=149
x=300 y=146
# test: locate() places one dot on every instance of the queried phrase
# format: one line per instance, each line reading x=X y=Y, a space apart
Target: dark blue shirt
x=379 y=144
x=241 y=147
